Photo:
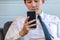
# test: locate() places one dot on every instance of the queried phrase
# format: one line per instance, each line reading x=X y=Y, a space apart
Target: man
x=20 y=28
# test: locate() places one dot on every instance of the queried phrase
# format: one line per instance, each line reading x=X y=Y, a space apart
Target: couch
x=4 y=30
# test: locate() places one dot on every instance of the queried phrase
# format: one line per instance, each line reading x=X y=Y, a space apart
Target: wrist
x=23 y=33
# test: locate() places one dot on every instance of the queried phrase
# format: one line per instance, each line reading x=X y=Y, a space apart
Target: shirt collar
x=41 y=14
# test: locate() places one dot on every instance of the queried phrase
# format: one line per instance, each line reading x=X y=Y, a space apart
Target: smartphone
x=32 y=15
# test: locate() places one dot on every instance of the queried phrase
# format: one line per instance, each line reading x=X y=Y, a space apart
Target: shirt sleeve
x=13 y=32
x=58 y=29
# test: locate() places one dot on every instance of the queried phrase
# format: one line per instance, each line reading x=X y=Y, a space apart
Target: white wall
x=10 y=9
x=52 y=7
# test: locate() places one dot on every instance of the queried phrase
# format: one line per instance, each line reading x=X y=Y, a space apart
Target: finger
x=32 y=25
x=31 y=21
x=29 y=27
x=27 y=19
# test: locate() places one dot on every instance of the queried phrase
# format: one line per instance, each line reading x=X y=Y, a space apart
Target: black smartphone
x=32 y=15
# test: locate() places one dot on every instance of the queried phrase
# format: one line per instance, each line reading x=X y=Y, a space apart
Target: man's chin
x=32 y=10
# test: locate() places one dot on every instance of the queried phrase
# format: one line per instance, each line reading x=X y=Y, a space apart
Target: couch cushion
x=6 y=27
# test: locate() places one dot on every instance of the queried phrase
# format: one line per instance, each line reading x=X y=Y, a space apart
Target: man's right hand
x=26 y=27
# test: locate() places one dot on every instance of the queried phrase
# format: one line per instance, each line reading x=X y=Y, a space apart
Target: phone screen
x=32 y=16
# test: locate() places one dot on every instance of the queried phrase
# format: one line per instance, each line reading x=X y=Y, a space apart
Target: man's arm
x=58 y=29
x=13 y=32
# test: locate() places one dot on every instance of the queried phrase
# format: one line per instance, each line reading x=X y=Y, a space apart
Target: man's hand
x=26 y=27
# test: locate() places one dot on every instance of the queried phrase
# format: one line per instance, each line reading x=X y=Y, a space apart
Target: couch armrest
x=1 y=34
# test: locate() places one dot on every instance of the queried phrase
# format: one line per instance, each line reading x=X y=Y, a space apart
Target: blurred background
x=11 y=9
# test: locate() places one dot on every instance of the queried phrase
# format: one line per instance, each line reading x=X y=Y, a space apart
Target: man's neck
x=38 y=12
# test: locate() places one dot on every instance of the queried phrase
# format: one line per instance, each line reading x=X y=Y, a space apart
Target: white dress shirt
x=52 y=24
